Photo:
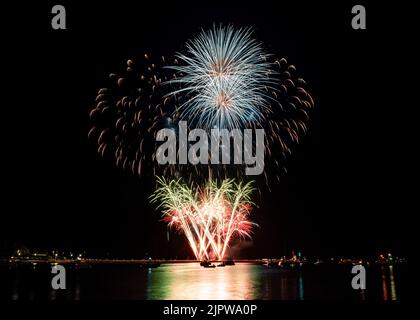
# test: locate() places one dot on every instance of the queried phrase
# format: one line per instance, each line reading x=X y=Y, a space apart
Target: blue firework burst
x=224 y=77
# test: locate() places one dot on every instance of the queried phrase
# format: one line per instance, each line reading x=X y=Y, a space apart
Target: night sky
x=345 y=191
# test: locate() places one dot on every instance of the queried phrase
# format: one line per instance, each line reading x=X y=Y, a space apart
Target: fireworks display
x=209 y=216
x=148 y=95
x=225 y=77
x=225 y=80
x=128 y=113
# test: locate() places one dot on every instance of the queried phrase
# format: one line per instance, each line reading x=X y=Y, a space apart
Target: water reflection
x=384 y=284
x=243 y=281
x=190 y=281
x=301 y=292
x=392 y=282
x=15 y=290
x=388 y=284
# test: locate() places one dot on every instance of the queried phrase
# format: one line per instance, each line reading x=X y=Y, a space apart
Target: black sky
x=345 y=188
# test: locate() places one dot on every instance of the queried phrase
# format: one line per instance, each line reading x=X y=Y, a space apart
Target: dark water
x=190 y=281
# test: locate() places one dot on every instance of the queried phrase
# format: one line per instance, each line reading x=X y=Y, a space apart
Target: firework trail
x=223 y=79
x=129 y=112
x=209 y=216
x=226 y=80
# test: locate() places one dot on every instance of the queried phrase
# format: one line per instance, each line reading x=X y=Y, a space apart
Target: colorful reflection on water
x=242 y=281
x=388 y=281
x=180 y=281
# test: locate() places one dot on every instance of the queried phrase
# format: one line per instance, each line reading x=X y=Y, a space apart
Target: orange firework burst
x=210 y=216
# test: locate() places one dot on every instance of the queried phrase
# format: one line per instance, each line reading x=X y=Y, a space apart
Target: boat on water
x=209 y=266
x=281 y=264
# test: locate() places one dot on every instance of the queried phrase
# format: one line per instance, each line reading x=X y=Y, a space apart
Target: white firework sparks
x=210 y=216
x=225 y=77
